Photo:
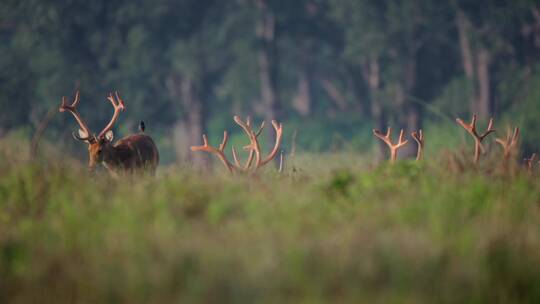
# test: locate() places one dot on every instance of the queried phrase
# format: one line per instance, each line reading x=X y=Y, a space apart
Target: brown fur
x=131 y=153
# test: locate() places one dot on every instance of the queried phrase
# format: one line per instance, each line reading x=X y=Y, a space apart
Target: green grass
x=334 y=229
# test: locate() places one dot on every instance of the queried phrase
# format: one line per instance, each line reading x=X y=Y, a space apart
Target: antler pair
x=117 y=103
x=253 y=147
x=386 y=138
x=478 y=138
x=509 y=143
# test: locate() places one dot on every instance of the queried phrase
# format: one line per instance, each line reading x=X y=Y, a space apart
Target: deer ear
x=81 y=136
x=109 y=135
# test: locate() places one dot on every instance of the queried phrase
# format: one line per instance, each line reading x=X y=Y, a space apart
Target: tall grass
x=326 y=230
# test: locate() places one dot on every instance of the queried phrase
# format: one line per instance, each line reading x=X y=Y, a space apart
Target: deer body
x=129 y=154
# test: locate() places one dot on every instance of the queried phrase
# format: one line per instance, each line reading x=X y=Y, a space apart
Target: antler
x=73 y=110
x=419 y=138
x=218 y=151
x=509 y=144
x=529 y=162
x=278 y=127
x=478 y=138
x=388 y=140
x=118 y=105
x=253 y=147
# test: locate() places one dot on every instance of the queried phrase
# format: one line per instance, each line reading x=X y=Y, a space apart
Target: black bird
x=142 y=127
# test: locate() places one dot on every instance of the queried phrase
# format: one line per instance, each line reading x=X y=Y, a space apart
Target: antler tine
x=388 y=140
x=473 y=122
x=243 y=124
x=235 y=157
x=509 y=143
x=120 y=100
x=77 y=99
x=224 y=141
x=118 y=106
x=489 y=130
x=205 y=140
x=278 y=127
x=384 y=137
x=73 y=110
x=249 y=160
x=401 y=142
x=206 y=147
x=503 y=142
x=530 y=162
x=73 y=105
x=419 y=138
x=253 y=147
x=260 y=129
x=471 y=128
x=515 y=136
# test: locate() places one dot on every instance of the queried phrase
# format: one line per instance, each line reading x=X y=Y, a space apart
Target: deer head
x=255 y=159
x=386 y=138
x=100 y=147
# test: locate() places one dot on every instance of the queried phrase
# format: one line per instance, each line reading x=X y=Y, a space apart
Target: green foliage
x=525 y=111
x=49 y=49
x=323 y=231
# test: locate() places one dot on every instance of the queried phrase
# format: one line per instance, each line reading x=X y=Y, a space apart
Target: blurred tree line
x=324 y=67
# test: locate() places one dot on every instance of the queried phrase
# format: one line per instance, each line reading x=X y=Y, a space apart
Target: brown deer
x=478 y=138
x=255 y=159
x=131 y=153
x=388 y=141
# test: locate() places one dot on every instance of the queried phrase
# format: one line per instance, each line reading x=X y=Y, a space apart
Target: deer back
x=137 y=151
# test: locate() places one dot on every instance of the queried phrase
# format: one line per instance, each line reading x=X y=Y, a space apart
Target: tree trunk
x=267 y=61
x=371 y=71
x=334 y=93
x=476 y=63
x=302 y=101
x=484 y=85
x=464 y=43
x=467 y=57
x=193 y=120
x=413 y=115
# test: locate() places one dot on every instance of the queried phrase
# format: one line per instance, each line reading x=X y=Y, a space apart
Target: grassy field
x=330 y=229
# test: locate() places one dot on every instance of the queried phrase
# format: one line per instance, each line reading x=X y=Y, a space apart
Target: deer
x=255 y=160
x=386 y=138
x=135 y=152
x=478 y=138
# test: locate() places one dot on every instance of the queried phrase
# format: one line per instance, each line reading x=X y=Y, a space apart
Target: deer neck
x=111 y=159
